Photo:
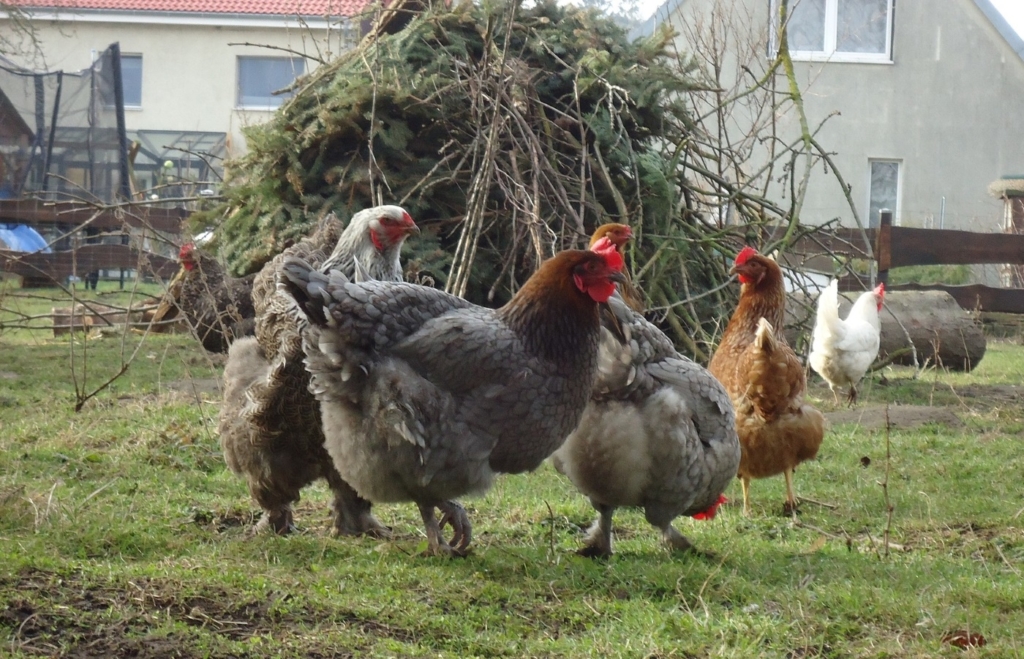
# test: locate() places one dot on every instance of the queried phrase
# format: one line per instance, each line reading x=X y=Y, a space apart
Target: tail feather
x=828 y=309
x=764 y=337
x=298 y=280
x=775 y=376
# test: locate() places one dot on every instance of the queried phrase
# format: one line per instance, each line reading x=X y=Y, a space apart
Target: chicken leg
x=789 y=508
x=352 y=514
x=745 y=484
x=454 y=514
x=660 y=518
x=599 y=536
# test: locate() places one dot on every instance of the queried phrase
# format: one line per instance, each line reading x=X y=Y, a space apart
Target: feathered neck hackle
x=763 y=297
x=356 y=244
x=552 y=315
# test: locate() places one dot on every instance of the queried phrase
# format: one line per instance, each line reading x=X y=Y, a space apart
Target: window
x=131 y=80
x=884 y=190
x=839 y=30
x=260 y=77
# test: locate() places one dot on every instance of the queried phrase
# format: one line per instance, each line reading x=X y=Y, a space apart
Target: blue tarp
x=22 y=238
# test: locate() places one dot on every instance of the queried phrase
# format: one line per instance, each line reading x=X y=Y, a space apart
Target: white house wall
x=189 y=72
x=948 y=109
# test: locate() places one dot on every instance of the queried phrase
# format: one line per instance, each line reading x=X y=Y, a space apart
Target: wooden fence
x=37 y=214
x=39 y=269
x=46 y=269
x=894 y=247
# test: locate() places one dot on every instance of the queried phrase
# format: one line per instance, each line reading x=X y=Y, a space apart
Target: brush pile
x=508 y=133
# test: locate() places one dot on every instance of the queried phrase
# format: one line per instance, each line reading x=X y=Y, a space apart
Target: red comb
x=745 y=255
x=603 y=245
x=713 y=508
x=607 y=249
x=880 y=289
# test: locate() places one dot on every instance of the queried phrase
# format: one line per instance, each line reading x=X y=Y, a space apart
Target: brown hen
x=765 y=380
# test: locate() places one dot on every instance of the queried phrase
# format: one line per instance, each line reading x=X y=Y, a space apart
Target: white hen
x=843 y=350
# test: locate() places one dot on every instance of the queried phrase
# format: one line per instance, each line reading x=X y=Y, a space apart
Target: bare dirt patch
x=195 y=386
x=69 y=615
x=991 y=395
x=903 y=417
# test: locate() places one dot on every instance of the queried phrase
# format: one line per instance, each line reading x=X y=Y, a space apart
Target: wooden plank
x=883 y=246
x=57 y=266
x=976 y=296
x=36 y=213
x=949 y=247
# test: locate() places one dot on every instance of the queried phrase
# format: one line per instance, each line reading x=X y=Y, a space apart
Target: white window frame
x=829 y=52
x=239 y=105
x=896 y=212
x=127 y=105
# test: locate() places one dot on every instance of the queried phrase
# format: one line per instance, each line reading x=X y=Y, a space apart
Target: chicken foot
x=277 y=520
x=598 y=543
x=352 y=514
x=452 y=513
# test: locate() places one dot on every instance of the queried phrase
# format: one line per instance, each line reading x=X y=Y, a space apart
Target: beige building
x=918 y=101
x=195 y=72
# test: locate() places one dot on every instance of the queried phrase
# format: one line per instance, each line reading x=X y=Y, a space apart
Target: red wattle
x=712 y=510
x=601 y=291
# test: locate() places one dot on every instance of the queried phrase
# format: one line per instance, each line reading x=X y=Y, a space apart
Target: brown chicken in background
x=765 y=380
x=270 y=424
x=426 y=397
x=217 y=307
x=618 y=235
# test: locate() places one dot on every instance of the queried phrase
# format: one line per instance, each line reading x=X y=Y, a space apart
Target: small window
x=839 y=30
x=884 y=190
x=260 y=77
x=131 y=80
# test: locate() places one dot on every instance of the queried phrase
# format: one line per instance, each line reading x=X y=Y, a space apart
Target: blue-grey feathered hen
x=659 y=431
x=425 y=397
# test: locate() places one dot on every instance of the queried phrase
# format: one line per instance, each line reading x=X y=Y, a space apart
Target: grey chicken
x=658 y=433
x=425 y=396
x=270 y=428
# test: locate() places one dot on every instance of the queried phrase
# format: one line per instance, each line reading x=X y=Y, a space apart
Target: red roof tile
x=257 y=7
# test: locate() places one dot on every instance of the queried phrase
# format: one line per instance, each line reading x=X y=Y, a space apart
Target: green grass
x=123 y=534
x=954 y=275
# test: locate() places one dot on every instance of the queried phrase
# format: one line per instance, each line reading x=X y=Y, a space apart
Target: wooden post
x=883 y=245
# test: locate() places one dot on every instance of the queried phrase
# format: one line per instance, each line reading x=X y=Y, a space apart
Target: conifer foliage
x=508 y=133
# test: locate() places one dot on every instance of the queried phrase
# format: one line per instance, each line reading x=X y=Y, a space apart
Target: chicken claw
x=454 y=514
x=278 y=521
x=352 y=514
x=678 y=542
